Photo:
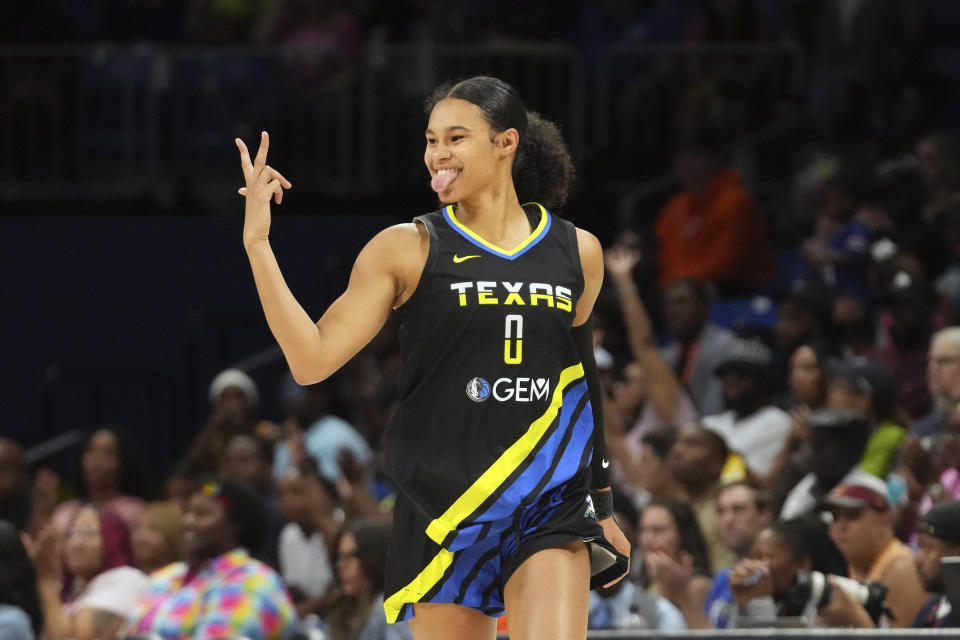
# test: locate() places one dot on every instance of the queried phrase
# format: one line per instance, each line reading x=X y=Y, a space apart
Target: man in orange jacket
x=712 y=229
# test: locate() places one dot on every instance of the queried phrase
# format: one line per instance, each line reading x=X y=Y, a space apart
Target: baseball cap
x=942 y=521
x=745 y=355
x=859 y=489
x=869 y=376
x=838 y=419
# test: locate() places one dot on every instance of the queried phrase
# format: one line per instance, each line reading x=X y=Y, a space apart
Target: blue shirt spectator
x=323 y=441
x=719 y=605
x=631 y=607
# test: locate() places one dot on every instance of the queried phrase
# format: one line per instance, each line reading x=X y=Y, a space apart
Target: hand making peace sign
x=263 y=182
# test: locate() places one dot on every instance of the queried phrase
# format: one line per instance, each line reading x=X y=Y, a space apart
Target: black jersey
x=494 y=409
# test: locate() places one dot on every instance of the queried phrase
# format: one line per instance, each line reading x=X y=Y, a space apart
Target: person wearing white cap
x=233 y=403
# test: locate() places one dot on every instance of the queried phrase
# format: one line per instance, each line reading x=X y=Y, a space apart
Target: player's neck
x=496 y=215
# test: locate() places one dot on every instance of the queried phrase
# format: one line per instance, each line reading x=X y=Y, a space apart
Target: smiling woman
x=497 y=452
x=220 y=591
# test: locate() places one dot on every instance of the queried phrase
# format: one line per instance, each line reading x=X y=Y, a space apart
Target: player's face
x=460 y=153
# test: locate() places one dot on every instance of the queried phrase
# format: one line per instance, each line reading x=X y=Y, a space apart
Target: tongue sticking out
x=441 y=181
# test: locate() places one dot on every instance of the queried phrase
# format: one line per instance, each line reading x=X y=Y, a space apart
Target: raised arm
x=383 y=276
x=665 y=388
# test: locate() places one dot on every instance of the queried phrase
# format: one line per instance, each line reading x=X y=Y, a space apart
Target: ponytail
x=542 y=167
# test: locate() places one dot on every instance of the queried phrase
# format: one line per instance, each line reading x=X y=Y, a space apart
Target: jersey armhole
x=432 y=252
x=575 y=254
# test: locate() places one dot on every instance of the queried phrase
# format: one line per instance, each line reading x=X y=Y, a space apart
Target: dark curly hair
x=542 y=167
x=133 y=474
x=691 y=535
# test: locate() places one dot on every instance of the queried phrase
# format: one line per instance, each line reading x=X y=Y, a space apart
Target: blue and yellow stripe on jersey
x=552 y=449
x=512 y=254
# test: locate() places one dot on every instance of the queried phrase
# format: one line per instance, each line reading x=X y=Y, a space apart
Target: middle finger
x=261 y=160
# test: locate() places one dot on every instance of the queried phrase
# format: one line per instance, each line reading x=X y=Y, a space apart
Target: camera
x=810 y=591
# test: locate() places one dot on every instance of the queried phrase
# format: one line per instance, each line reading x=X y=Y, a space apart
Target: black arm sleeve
x=583 y=339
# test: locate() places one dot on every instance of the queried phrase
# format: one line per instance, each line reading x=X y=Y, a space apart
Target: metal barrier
x=145 y=121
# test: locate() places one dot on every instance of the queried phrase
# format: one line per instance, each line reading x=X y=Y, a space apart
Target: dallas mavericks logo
x=478 y=389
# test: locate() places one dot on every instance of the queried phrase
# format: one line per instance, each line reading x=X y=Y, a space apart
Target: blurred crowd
x=795 y=459
x=245 y=22
x=783 y=417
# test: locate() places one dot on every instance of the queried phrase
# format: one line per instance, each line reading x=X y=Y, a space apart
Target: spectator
x=837 y=437
x=625 y=605
x=808 y=377
x=696 y=460
x=110 y=474
x=663 y=401
x=247 y=459
x=158 y=537
x=20 y=615
x=676 y=561
x=742 y=512
x=931 y=476
x=325 y=435
x=306 y=502
x=99 y=585
x=761 y=584
x=711 y=230
x=807 y=382
x=651 y=476
x=698 y=347
x=862 y=529
x=220 y=591
x=803 y=317
x=178 y=484
x=357 y=613
x=902 y=347
x=868 y=387
x=938 y=162
x=839 y=249
x=14 y=495
x=233 y=400
x=751 y=426
x=943 y=380
x=939 y=538
x=320 y=41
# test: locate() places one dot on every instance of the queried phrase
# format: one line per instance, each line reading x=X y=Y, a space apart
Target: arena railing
x=732 y=634
x=105 y=121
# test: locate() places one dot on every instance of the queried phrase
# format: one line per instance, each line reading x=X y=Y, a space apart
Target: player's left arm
x=591 y=264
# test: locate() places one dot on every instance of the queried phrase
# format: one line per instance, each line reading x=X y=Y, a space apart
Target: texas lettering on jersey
x=513 y=293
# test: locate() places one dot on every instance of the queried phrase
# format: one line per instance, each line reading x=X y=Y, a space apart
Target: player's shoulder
x=396 y=241
x=589 y=245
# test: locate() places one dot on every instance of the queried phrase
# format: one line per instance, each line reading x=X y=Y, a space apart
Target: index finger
x=245 y=163
x=261 y=160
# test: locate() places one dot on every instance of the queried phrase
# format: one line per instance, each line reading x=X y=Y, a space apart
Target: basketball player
x=496 y=450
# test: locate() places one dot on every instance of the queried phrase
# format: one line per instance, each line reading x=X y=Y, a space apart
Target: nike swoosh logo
x=458 y=259
x=605 y=463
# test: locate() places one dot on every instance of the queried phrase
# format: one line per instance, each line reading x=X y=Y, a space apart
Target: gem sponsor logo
x=509 y=389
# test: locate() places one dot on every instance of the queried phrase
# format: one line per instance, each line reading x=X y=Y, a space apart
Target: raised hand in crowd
x=664 y=389
x=294 y=441
x=353 y=488
x=674 y=579
x=46 y=483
